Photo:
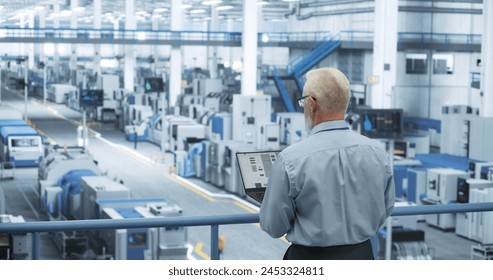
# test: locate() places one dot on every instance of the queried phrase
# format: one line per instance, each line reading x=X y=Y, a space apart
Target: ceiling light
x=291 y=0
x=197 y=11
x=186 y=6
x=224 y=8
x=65 y=13
x=262 y=3
x=79 y=9
x=211 y=2
x=38 y=8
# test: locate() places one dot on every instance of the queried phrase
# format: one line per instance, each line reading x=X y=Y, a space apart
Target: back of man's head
x=330 y=87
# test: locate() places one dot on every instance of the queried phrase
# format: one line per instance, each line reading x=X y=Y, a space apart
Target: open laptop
x=255 y=168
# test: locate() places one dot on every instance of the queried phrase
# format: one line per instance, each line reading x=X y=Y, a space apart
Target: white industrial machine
x=142 y=243
x=482 y=222
x=442 y=189
x=248 y=113
x=291 y=127
x=59 y=93
x=464 y=221
x=15 y=246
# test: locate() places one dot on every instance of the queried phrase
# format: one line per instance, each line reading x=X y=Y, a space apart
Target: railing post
x=214 y=242
x=35 y=246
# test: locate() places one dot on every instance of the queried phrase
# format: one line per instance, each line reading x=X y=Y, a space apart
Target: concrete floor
x=145 y=172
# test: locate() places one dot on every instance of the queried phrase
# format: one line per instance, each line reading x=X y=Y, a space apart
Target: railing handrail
x=51 y=226
x=213 y=221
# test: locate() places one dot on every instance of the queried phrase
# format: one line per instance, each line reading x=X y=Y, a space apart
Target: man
x=331 y=192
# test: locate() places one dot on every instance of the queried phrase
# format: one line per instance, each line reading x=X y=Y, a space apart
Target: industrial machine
x=481 y=222
x=72 y=187
x=465 y=187
x=442 y=189
x=14 y=246
x=59 y=93
x=21 y=145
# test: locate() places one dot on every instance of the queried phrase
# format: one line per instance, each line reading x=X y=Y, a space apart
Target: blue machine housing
x=70 y=184
x=12 y=122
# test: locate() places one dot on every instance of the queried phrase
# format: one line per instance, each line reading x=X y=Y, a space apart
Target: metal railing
x=81 y=35
x=213 y=221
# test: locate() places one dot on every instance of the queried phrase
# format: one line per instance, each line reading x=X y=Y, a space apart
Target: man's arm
x=277 y=209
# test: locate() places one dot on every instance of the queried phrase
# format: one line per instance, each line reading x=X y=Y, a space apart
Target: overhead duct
x=335 y=12
x=417 y=9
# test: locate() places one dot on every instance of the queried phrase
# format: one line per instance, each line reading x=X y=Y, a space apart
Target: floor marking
x=198 y=251
x=126 y=150
x=29 y=203
x=191 y=188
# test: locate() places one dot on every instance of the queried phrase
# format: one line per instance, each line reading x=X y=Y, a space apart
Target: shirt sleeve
x=389 y=191
x=277 y=209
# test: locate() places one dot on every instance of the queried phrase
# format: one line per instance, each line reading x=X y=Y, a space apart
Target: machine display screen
x=381 y=123
x=91 y=98
x=153 y=85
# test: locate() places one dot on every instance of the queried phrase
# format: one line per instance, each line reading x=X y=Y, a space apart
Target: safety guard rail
x=214 y=221
x=14 y=34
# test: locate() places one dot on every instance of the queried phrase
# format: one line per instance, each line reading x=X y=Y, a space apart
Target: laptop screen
x=255 y=168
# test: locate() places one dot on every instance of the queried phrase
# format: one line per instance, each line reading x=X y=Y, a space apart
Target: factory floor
x=144 y=169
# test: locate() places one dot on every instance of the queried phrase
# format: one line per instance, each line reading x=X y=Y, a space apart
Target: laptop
x=255 y=168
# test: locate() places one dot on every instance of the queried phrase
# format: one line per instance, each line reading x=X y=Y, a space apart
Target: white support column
x=212 y=50
x=42 y=24
x=176 y=56
x=30 y=46
x=130 y=24
x=249 y=44
x=97 y=47
x=22 y=24
x=56 y=53
x=384 y=53
x=73 y=47
x=487 y=60
x=154 y=47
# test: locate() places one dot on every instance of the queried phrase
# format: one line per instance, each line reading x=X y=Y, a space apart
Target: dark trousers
x=360 y=251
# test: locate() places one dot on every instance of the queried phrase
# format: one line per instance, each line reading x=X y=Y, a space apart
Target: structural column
x=73 y=47
x=212 y=50
x=97 y=47
x=56 y=53
x=130 y=24
x=30 y=51
x=384 y=53
x=487 y=61
x=42 y=25
x=176 y=57
x=249 y=44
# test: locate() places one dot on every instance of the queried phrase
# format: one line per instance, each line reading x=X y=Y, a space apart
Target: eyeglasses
x=301 y=100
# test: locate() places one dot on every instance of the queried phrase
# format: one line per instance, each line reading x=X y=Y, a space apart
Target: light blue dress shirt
x=333 y=188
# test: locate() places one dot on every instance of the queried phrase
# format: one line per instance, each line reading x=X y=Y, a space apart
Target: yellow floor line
x=198 y=251
x=188 y=187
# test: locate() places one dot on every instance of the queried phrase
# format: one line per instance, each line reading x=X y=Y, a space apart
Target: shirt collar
x=328 y=125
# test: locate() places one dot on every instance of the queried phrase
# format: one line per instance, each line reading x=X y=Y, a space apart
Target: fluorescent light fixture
x=141 y=36
x=186 y=6
x=224 y=8
x=159 y=10
x=156 y=16
x=211 y=2
x=65 y=13
x=38 y=8
x=79 y=9
x=265 y=38
x=3 y=33
x=197 y=11
x=262 y=3
x=291 y=0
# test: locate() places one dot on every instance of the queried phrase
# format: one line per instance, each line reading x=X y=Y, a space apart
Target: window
x=443 y=64
x=416 y=63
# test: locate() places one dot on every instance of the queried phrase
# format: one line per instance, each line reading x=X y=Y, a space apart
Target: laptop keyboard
x=259 y=196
